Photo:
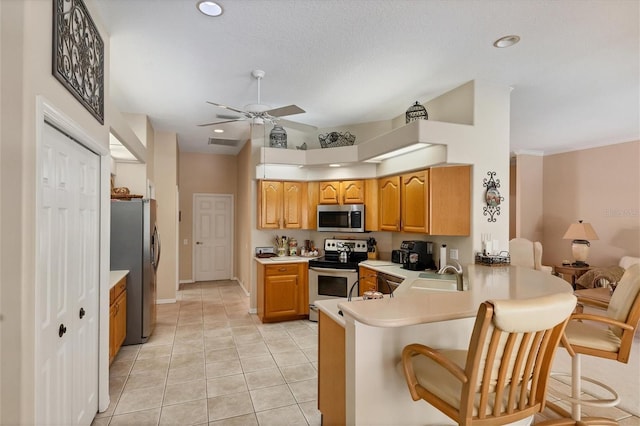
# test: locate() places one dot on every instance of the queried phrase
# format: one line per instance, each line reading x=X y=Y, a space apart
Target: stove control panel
x=354 y=246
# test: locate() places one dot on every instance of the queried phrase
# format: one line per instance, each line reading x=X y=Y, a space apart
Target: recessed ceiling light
x=218 y=131
x=209 y=8
x=334 y=165
x=506 y=41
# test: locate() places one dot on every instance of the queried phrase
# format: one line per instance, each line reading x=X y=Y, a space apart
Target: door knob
x=82 y=313
x=61 y=330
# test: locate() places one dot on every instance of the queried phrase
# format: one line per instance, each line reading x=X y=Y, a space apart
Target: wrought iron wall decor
x=78 y=55
x=492 y=197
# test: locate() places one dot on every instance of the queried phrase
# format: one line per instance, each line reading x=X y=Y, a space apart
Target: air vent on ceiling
x=223 y=142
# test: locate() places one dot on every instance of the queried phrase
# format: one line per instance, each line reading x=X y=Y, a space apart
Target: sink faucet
x=457 y=269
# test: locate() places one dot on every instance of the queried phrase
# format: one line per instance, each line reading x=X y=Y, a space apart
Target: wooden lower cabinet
x=282 y=292
x=331 y=371
x=367 y=279
x=117 y=317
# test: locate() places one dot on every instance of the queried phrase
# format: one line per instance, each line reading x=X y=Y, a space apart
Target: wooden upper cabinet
x=294 y=205
x=342 y=192
x=371 y=205
x=414 y=198
x=329 y=193
x=450 y=200
x=389 y=203
x=352 y=191
x=282 y=205
x=270 y=204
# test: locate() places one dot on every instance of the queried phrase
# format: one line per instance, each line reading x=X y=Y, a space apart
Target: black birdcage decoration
x=416 y=112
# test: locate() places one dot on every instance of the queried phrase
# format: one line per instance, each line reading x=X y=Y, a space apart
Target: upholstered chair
x=502 y=377
x=528 y=254
x=608 y=336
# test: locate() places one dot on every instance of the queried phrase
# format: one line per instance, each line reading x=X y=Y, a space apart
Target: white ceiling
x=575 y=74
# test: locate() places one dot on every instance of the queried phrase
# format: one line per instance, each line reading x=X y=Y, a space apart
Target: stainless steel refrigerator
x=135 y=246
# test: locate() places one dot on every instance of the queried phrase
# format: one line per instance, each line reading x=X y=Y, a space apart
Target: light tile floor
x=209 y=362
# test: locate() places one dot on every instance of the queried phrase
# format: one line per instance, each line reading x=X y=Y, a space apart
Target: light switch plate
x=453 y=254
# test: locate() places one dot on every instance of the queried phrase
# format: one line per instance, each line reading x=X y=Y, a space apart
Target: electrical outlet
x=453 y=254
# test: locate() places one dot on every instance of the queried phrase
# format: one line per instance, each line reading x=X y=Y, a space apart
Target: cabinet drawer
x=117 y=289
x=286 y=269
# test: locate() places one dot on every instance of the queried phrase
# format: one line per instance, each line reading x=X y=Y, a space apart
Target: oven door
x=328 y=283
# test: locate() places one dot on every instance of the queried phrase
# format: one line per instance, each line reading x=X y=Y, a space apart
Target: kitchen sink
x=434 y=281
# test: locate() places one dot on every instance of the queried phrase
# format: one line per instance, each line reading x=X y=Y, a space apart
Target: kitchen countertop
x=283 y=259
x=411 y=306
x=115 y=276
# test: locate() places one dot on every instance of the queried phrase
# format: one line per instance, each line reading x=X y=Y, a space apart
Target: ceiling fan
x=258 y=113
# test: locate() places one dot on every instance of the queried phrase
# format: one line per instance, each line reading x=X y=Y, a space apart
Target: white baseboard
x=253 y=310
x=186 y=282
x=165 y=301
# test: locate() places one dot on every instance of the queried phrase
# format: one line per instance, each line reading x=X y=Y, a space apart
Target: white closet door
x=66 y=281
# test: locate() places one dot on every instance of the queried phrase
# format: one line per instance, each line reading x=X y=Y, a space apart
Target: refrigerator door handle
x=155 y=247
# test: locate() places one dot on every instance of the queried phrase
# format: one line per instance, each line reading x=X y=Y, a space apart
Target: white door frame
x=46 y=110
x=193 y=231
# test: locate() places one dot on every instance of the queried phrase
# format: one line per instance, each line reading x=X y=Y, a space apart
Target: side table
x=571 y=273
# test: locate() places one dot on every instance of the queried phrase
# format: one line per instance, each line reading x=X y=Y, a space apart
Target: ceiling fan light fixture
x=209 y=8
x=506 y=41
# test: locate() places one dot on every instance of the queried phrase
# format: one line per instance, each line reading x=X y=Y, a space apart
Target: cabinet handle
x=282 y=270
x=61 y=330
x=82 y=313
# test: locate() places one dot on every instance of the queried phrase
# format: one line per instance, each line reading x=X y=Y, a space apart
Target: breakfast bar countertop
x=412 y=305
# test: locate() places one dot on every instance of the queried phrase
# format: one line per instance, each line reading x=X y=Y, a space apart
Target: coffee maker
x=417 y=255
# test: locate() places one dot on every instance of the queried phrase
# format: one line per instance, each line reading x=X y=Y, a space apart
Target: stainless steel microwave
x=341 y=218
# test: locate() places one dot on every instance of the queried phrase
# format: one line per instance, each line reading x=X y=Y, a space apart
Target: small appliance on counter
x=416 y=255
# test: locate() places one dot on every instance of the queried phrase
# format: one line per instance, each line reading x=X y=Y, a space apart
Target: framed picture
x=78 y=55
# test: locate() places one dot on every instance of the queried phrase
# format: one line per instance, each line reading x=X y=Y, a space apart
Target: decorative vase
x=416 y=112
x=278 y=137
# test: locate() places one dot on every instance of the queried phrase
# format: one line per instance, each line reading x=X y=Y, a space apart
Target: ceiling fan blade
x=297 y=126
x=220 y=122
x=228 y=107
x=229 y=117
x=285 y=110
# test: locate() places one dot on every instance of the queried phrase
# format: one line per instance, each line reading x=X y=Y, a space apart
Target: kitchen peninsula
x=373 y=333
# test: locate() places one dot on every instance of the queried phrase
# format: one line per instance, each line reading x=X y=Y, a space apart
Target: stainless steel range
x=335 y=273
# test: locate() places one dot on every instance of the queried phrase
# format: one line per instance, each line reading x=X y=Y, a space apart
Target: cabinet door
x=389 y=203
x=120 y=331
x=352 y=191
x=450 y=200
x=415 y=201
x=112 y=332
x=329 y=193
x=367 y=279
x=270 y=205
x=281 y=297
x=294 y=206
x=371 y=205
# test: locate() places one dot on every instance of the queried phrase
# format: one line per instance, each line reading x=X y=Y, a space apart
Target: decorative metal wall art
x=78 y=55
x=335 y=139
x=416 y=112
x=492 y=197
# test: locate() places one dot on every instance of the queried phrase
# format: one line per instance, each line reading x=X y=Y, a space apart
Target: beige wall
x=25 y=73
x=600 y=186
x=244 y=212
x=529 y=206
x=166 y=180
x=204 y=174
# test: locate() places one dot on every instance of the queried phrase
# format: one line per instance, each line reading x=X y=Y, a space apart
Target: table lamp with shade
x=580 y=233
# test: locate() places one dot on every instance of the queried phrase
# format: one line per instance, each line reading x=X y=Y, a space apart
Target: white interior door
x=213 y=236
x=67 y=282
